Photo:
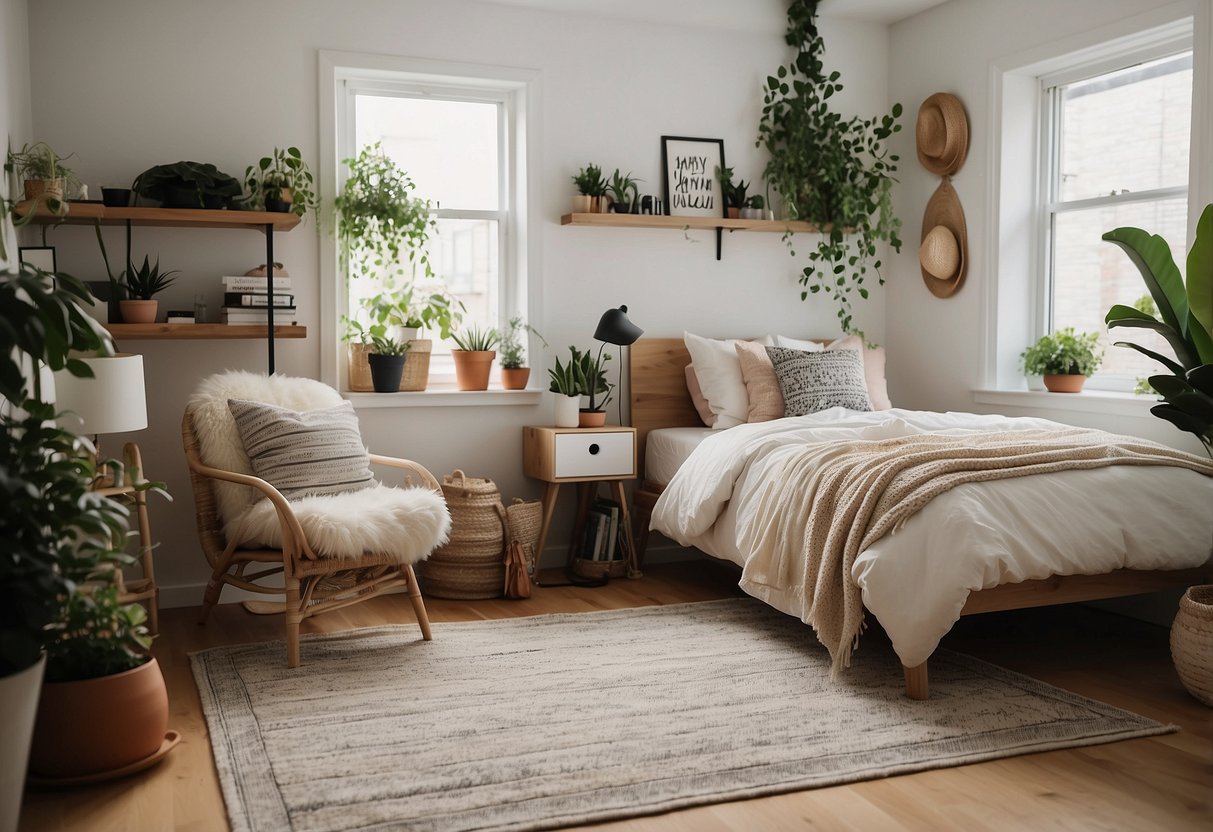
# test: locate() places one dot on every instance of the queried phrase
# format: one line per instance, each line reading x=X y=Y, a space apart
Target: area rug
x=556 y=720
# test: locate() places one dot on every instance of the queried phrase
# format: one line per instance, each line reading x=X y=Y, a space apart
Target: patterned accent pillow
x=313 y=452
x=813 y=381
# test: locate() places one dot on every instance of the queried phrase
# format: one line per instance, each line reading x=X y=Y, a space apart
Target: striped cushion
x=313 y=452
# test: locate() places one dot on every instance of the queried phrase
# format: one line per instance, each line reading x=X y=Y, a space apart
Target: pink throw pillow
x=761 y=384
x=873 y=369
x=701 y=404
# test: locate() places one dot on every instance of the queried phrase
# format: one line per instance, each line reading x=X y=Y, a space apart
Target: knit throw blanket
x=835 y=499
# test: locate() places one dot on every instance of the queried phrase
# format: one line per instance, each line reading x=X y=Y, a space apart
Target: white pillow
x=719 y=373
x=796 y=344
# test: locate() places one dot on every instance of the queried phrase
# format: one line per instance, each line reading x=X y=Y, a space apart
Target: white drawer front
x=593 y=454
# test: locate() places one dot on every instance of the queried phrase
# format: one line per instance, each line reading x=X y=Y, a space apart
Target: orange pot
x=139 y=311
x=591 y=418
x=1064 y=383
x=472 y=368
x=515 y=378
x=101 y=724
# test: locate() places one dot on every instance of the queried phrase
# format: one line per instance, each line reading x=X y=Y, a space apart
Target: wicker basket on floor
x=469 y=566
x=1192 y=642
x=522 y=522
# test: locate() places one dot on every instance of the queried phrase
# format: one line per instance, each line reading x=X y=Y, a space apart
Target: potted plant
x=188 y=185
x=281 y=182
x=56 y=605
x=829 y=170
x=754 y=208
x=590 y=187
x=400 y=313
x=42 y=172
x=141 y=285
x=474 y=358
x=590 y=375
x=624 y=192
x=1186 y=322
x=1065 y=359
x=734 y=193
x=563 y=382
x=387 y=356
x=514 y=372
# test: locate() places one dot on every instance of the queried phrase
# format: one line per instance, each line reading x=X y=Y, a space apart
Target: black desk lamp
x=615 y=328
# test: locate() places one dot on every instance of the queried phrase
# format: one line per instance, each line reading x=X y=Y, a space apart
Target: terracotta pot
x=591 y=418
x=99 y=725
x=515 y=378
x=734 y=213
x=1064 y=383
x=581 y=204
x=139 y=311
x=472 y=368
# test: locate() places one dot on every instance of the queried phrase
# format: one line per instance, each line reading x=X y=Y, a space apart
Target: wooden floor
x=1159 y=783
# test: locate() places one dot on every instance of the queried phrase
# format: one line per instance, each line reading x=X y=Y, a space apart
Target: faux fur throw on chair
x=403 y=523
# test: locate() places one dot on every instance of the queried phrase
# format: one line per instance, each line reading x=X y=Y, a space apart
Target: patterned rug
x=544 y=722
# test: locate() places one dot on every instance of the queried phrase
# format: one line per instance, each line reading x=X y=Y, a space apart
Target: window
x=1116 y=153
x=459 y=132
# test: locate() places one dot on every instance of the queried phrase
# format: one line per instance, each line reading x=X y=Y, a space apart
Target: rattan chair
x=311 y=583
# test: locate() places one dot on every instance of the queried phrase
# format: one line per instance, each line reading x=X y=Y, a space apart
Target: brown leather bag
x=517 y=581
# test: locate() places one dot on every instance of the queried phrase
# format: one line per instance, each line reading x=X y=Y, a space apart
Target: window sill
x=1104 y=402
x=445 y=397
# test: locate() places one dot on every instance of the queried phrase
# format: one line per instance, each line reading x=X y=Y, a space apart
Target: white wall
x=129 y=84
x=934 y=345
x=14 y=89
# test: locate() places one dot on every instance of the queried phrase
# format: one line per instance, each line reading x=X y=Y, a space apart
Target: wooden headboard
x=657 y=372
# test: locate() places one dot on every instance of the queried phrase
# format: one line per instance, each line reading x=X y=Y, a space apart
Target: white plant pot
x=19 y=704
x=568 y=410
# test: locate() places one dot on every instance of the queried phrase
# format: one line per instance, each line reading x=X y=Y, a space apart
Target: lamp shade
x=615 y=328
x=112 y=401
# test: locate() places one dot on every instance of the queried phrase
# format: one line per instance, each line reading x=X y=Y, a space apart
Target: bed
x=660 y=402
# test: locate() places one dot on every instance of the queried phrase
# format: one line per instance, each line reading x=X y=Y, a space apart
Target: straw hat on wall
x=943 y=253
x=942 y=134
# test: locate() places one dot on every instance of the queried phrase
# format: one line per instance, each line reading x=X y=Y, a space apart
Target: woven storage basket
x=522 y=521
x=1192 y=642
x=594 y=569
x=470 y=565
x=416 y=367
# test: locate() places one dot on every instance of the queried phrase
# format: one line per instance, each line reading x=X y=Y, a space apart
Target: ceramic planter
x=139 y=311
x=581 y=204
x=515 y=378
x=591 y=418
x=19 y=703
x=472 y=368
x=386 y=371
x=100 y=725
x=567 y=411
x=734 y=213
x=1064 y=383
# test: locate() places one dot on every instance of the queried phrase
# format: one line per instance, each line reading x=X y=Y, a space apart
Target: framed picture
x=691 y=186
x=38 y=257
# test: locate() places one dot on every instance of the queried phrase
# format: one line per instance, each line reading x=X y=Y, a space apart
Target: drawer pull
x=594 y=449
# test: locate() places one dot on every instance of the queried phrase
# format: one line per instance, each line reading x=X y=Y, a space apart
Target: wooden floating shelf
x=90 y=213
x=694 y=223
x=202 y=332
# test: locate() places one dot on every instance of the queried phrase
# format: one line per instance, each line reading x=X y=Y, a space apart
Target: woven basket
x=594 y=569
x=469 y=566
x=1192 y=642
x=522 y=523
x=416 y=367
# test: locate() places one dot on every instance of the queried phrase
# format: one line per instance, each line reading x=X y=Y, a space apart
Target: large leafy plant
x=829 y=170
x=1184 y=319
x=188 y=185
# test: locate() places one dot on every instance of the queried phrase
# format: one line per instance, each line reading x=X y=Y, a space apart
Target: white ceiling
x=751 y=15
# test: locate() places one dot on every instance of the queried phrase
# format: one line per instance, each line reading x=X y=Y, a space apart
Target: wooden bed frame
x=659 y=399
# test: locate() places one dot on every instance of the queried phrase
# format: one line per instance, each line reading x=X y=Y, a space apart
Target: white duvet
x=976 y=536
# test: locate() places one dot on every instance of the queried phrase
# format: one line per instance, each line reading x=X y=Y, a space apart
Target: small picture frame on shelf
x=692 y=187
x=41 y=258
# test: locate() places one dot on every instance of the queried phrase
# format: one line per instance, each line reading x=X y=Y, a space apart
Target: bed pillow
x=797 y=344
x=813 y=381
x=304 y=453
x=873 y=369
x=719 y=373
x=701 y=404
x=761 y=385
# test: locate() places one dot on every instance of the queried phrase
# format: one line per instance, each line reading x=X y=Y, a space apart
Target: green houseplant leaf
x=1152 y=256
x=1200 y=273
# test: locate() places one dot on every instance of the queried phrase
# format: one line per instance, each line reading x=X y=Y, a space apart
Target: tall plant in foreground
x=1186 y=322
x=832 y=171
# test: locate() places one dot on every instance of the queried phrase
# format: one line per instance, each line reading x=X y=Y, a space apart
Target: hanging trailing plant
x=831 y=171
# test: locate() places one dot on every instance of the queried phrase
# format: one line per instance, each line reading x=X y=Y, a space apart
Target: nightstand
x=583 y=455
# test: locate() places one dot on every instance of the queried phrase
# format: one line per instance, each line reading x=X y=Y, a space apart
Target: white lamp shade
x=113 y=401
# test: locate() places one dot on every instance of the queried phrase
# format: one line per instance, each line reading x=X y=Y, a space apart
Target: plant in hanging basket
x=831 y=171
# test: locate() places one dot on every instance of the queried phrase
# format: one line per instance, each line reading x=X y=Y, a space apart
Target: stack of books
x=600 y=540
x=246 y=300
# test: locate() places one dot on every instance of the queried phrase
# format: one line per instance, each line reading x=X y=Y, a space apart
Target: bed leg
x=916 y=681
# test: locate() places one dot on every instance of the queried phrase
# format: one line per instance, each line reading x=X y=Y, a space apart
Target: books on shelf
x=174 y=316
x=256 y=299
x=245 y=283
x=600 y=538
x=283 y=315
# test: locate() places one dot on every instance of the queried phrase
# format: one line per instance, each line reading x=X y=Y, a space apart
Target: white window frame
x=1013 y=250
x=1051 y=204
x=517 y=91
